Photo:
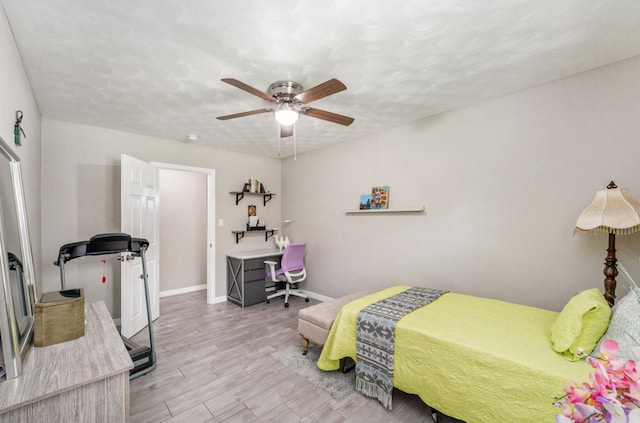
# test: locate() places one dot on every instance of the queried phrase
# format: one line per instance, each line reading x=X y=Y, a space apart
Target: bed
x=474 y=359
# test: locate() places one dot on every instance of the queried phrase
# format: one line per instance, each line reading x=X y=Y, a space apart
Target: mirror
x=17 y=289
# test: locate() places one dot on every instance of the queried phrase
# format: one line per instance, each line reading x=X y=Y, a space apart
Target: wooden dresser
x=86 y=379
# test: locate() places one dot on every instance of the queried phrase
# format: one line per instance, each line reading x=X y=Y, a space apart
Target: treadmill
x=143 y=357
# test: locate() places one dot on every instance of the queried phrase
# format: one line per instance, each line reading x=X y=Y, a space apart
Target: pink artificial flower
x=613 y=396
x=586 y=411
x=609 y=348
x=601 y=379
x=578 y=395
x=634 y=391
x=615 y=411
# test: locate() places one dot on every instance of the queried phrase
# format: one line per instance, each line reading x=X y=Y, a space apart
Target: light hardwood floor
x=215 y=365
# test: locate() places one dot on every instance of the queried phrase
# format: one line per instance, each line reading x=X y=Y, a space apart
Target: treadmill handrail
x=112 y=243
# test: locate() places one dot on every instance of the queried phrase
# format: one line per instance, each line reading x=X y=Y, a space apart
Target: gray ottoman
x=314 y=323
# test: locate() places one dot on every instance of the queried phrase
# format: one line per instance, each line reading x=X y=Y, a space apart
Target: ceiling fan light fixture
x=286 y=114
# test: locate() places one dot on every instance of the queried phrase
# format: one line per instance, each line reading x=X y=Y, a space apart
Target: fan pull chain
x=294 y=142
x=279 y=135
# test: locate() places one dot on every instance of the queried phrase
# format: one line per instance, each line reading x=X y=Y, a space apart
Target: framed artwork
x=251 y=210
x=380 y=198
x=365 y=201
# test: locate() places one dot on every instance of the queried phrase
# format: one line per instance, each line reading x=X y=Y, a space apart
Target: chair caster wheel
x=286 y=305
x=306 y=300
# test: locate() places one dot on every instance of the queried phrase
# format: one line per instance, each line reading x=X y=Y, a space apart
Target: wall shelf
x=382 y=211
x=268 y=233
x=266 y=196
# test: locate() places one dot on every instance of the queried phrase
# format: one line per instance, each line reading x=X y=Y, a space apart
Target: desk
x=86 y=379
x=246 y=276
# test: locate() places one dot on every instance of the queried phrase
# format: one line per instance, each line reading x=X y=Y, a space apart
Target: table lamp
x=616 y=212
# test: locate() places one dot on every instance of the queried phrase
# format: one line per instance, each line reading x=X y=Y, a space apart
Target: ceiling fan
x=291 y=101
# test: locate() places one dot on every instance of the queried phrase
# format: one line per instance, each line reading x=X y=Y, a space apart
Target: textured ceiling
x=153 y=67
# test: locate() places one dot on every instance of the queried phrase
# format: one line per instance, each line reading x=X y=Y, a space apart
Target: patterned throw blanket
x=375 y=339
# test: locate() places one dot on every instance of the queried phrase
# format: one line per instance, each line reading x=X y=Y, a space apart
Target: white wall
x=183 y=234
x=81 y=197
x=503 y=183
x=16 y=94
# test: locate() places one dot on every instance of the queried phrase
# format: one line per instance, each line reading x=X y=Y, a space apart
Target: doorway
x=187 y=230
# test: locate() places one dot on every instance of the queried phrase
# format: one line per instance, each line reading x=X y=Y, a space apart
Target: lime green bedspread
x=475 y=359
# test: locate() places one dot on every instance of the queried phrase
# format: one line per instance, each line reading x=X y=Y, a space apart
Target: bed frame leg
x=305 y=345
x=347 y=364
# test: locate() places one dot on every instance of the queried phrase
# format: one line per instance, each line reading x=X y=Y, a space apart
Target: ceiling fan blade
x=286 y=131
x=249 y=89
x=325 y=89
x=242 y=114
x=328 y=116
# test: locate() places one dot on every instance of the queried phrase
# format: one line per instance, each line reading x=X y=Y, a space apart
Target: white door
x=140 y=196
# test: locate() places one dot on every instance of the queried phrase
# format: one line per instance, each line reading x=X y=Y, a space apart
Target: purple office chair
x=291 y=272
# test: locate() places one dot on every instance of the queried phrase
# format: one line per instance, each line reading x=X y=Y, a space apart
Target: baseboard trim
x=172 y=292
x=316 y=296
x=179 y=291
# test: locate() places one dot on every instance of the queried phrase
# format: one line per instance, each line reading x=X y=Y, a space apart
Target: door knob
x=130 y=257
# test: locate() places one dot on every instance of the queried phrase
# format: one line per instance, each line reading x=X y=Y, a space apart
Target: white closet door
x=140 y=197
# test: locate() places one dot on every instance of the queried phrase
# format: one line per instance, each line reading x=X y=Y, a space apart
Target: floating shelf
x=407 y=210
x=268 y=233
x=266 y=196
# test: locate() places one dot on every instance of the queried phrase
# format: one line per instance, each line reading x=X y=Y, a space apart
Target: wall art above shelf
x=266 y=196
x=381 y=211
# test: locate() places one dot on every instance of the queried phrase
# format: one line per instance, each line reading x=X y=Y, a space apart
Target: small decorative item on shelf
x=252 y=184
x=281 y=242
x=365 y=201
x=255 y=186
x=380 y=198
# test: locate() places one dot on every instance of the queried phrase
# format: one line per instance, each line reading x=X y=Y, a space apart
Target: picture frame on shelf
x=380 y=198
x=365 y=201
